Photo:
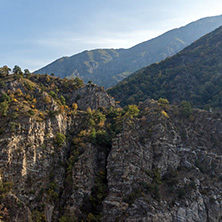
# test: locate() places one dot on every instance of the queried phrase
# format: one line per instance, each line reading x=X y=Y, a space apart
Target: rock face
x=166 y=170
x=59 y=164
x=92 y=96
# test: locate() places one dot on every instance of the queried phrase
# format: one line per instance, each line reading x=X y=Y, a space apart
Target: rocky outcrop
x=64 y=164
x=91 y=96
x=156 y=173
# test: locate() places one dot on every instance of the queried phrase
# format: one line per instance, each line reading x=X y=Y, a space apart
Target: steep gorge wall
x=164 y=165
x=166 y=169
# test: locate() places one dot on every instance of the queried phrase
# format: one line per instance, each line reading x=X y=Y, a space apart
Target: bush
x=53 y=94
x=163 y=102
x=38 y=216
x=63 y=100
x=131 y=111
x=31 y=112
x=60 y=139
x=4 y=108
x=5 y=97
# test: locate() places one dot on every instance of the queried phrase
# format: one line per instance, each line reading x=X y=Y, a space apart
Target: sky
x=35 y=33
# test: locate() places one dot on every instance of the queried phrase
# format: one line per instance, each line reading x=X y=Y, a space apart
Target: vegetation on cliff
x=61 y=162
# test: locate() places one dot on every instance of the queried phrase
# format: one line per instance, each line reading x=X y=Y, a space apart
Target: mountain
x=67 y=153
x=106 y=67
x=194 y=74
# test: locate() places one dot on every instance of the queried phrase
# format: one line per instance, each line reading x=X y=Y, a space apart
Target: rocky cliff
x=62 y=160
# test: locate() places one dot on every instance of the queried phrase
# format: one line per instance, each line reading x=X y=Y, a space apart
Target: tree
x=17 y=70
x=131 y=111
x=27 y=73
x=60 y=139
x=79 y=81
x=163 y=101
x=4 y=71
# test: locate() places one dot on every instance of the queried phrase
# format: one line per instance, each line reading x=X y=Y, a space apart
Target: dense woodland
x=194 y=74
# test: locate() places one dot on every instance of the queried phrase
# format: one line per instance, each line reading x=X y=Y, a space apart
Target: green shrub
x=31 y=112
x=163 y=102
x=60 y=139
x=5 y=97
x=38 y=216
x=4 y=108
x=63 y=100
x=53 y=94
x=2 y=84
x=28 y=86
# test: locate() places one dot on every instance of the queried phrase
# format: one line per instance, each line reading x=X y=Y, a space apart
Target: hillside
x=63 y=162
x=106 y=67
x=194 y=74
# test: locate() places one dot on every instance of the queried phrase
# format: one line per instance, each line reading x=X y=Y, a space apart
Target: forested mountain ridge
x=106 y=67
x=194 y=74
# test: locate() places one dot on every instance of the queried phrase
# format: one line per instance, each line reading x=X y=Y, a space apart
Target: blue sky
x=35 y=33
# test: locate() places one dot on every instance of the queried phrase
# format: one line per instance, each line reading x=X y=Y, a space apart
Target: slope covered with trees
x=194 y=74
x=106 y=67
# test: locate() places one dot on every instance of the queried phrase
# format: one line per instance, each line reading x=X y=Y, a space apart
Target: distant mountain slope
x=107 y=67
x=194 y=74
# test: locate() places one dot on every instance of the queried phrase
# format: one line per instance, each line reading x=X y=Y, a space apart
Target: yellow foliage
x=41 y=115
x=34 y=100
x=75 y=106
x=15 y=100
x=163 y=113
x=33 y=106
x=47 y=79
x=89 y=110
